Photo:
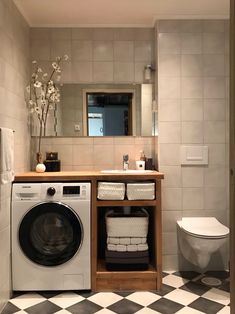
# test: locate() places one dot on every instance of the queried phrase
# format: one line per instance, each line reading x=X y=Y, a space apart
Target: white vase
x=40 y=168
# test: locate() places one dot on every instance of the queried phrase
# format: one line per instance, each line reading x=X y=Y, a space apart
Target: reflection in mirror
x=109 y=113
x=102 y=110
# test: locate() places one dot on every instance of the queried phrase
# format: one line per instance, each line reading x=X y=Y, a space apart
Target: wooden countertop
x=82 y=175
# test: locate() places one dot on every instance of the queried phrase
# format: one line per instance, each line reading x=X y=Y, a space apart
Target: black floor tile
x=207 y=306
x=195 y=287
x=45 y=307
x=164 y=290
x=165 y=306
x=225 y=286
x=10 y=309
x=125 y=307
x=85 y=294
x=217 y=274
x=49 y=294
x=124 y=293
x=84 y=307
x=187 y=274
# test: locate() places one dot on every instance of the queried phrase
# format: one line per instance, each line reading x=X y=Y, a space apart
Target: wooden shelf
x=102 y=203
x=105 y=280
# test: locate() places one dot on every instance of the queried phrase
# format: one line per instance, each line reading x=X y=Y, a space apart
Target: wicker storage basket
x=123 y=226
x=141 y=191
x=111 y=191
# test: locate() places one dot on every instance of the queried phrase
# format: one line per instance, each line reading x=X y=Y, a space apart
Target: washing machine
x=51 y=236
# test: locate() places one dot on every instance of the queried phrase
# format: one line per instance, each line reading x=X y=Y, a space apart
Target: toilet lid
x=204 y=226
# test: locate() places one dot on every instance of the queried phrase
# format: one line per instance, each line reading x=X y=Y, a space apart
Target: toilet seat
x=204 y=227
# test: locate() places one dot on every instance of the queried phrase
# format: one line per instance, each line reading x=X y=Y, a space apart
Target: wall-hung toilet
x=199 y=237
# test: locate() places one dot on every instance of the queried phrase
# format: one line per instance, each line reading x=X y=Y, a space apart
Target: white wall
x=193 y=96
x=14 y=70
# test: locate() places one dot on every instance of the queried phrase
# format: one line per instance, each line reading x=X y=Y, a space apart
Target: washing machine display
x=51 y=240
x=50 y=234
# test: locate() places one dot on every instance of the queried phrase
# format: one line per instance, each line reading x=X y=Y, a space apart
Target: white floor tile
x=174 y=281
x=26 y=300
x=66 y=299
x=105 y=298
x=181 y=296
x=225 y=310
x=143 y=297
x=62 y=312
x=20 y=312
x=217 y=295
x=147 y=311
x=189 y=310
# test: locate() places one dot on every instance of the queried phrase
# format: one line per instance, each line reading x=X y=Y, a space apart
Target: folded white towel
x=125 y=241
x=132 y=248
x=6 y=155
x=142 y=247
x=113 y=240
x=135 y=240
x=111 y=247
x=121 y=248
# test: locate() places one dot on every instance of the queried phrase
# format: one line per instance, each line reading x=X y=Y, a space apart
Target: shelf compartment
x=125 y=280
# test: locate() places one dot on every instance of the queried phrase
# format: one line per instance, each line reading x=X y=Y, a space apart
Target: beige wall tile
x=169 y=65
x=172 y=176
x=169 y=26
x=103 y=50
x=169 y=132
x=124 y=33
x=123 y=72
x=82 y=50
x=103 y=155
x=83 y=155
x=168 y=43
x=214 y=109
x=191 y=43
x=82 y=71
x=214 y=132
x=213 y=26
x=169 y=88
x=215 y=198
x=192 y=132
x=143 y=51
x=192 y=109
x=192 y=176
x=82 y=33
x=215 y=176
x=192 y=87
x=191 y=65
x=102 y=71
x=169 y=154
x=103 y=33
x=171 y=198
x=123 y=50
x=169 y=110
x=213 y=43
x=193 y=198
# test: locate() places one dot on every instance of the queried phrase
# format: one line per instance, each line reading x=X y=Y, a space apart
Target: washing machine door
x=50 y=234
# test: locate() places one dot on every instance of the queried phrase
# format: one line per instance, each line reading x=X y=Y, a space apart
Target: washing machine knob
x=51 y=191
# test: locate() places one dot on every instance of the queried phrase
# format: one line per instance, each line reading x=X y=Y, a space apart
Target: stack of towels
x=130 y=250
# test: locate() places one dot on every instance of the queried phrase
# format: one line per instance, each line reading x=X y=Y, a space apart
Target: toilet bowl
x=199 y=237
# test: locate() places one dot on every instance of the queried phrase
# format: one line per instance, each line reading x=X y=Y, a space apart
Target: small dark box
x=51 y=156
x=52 y=165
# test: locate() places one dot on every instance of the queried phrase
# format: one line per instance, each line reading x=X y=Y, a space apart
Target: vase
x=40 y=167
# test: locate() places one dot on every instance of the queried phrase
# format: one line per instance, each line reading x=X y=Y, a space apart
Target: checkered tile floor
x=181 y=293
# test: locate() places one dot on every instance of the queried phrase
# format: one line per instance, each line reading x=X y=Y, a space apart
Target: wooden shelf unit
x=151 y=279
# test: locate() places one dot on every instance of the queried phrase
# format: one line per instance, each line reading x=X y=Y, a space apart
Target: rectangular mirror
x=102 y=110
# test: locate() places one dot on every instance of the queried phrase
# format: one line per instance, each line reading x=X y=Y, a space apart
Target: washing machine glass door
x=50 y=233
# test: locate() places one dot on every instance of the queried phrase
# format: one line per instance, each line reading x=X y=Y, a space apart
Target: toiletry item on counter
x=140 y=164
x=149 y=163
x=52 y=163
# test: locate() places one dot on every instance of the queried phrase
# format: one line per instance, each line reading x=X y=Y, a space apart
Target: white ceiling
x=117 y=13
